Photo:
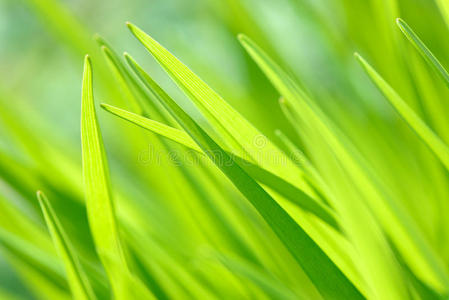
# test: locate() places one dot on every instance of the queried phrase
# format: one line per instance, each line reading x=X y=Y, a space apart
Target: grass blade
x=438 y=147
x=100 y=208
x=423 y=50
x=322 y=271
x=239 y=135
x=77 y=279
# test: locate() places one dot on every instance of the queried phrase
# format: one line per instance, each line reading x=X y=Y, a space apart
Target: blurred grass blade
x=440 y=149
x=268 y=284
x=263 y=176
x=76 y=276
x=423 y=50
x=324 y=274
x=444 y=8
x=39 y=270
x=100 y=208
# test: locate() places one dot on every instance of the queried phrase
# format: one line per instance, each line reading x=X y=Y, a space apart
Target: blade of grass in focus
x=99 y=202
x=239 y=135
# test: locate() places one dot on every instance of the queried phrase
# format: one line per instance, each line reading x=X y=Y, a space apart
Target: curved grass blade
x=423 y=50
x=438 y=147
x=265 y=177
x=239 y=135
x=76 y=276
x=329 y=280
x=100 y=208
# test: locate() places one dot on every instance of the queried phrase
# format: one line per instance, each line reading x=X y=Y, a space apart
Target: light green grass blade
x=265 y=177
x=240 y=136
x=102 y=219
x=122 y=76
x=76 y=276
x=423 y=50
x=322 y=271
x=438 y=147
x=100 y=208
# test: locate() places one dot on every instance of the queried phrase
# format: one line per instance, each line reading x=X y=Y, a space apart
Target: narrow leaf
x=440 y=149
x=100 y=208
x=77 y=278
x=423 y=50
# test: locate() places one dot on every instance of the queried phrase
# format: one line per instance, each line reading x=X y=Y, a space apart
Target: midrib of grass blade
x=77 y=278
x=236 y=131
x=323 y=272
x=100 y=208
x=265 y=177
x=423 y=50
x=440 y=149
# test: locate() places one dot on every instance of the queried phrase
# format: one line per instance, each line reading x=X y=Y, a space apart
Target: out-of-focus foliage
x=267 y=162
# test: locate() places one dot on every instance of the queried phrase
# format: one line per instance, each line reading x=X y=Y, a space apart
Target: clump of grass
x=224 y=210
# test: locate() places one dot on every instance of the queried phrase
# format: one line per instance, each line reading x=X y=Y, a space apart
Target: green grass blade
x=239 y=135
x=99 y=203
x=265 y=177
x=100 y=208
x=122 y=76
x=166 y=131
x=438 y=147
x=322 y=271
x=423 y=50
x=77 y=278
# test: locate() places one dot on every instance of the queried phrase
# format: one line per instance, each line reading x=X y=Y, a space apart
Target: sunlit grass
x=177 y=196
